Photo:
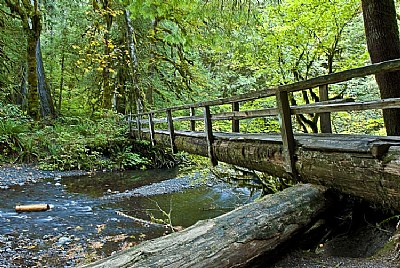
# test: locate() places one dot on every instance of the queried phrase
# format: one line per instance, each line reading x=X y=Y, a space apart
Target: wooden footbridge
x=360 y=165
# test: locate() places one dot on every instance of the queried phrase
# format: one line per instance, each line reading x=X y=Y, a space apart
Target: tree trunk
x=46 y=100
x=107 y=88
x=30 y=16
x=383 y=42
x=33 y=95
x=61 y=81
x=133 y=59
x=235 y=239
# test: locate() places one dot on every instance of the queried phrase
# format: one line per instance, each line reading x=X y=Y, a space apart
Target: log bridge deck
x=363 y=166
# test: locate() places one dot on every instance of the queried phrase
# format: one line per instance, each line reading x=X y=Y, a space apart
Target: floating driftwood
x=234 y=239
x=32 y=208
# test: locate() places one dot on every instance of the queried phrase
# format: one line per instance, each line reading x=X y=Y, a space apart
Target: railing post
x=192 y=122
x=288 y=141
x=235 y=122
x=324 y=118
x=151 y=128
x=130 y=124
x=171 y=131
x=139 y=118
x=209 y=135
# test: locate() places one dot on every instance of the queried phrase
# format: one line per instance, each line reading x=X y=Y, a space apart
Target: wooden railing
x=283 y=109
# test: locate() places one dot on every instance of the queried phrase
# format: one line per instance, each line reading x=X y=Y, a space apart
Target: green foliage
x=75 y=143
x=124 y=157
x=187 y=51
x=12 y=126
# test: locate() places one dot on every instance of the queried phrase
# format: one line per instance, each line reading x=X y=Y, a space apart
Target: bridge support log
x=368 y=168
x=231 y=240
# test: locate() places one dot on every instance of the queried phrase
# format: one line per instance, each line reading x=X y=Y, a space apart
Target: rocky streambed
x=94 y=215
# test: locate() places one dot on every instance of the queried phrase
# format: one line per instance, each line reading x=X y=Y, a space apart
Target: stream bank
x=84 y=226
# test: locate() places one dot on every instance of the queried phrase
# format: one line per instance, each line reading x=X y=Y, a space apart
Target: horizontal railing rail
x=281 y=108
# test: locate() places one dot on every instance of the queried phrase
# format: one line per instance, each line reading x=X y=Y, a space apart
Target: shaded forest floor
x=362 y=238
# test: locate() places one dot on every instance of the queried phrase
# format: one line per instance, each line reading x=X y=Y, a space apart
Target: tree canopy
x=108 y=54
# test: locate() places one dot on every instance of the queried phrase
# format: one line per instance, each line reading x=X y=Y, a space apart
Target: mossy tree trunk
x=104 y=8
x=33 y=95
x=137 y=93
x=28 y=12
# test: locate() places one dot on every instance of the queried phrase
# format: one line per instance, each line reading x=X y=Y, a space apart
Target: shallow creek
x=92 y=216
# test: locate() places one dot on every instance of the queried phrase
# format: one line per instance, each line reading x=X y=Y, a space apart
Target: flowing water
x=94 y=216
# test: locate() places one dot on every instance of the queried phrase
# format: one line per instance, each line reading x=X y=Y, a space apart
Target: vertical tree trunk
x=30 y=16
x=46 y=100
x=33 y=95
x=107 y=88
x=383 y=42
x=133 y=60
x=61 y=82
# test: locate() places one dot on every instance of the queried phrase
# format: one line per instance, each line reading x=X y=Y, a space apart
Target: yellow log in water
x=32 y=208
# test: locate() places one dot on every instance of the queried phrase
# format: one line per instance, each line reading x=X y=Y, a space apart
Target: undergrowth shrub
x=75 y=143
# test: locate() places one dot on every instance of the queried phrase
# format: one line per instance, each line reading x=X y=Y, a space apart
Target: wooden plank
x=346 y=107
x=160 y=120
x=347 y=75
x=139 y=126
x=192 y=122
x=343 y=143
x=238 y=98
x=151 y=128
x=286 y=132
x=391 y=65
x=324 y=118
x=235 y=122
x=209 y=135
x=130 y=123
x=245 y=114
x=171 y=131
x=179 y=118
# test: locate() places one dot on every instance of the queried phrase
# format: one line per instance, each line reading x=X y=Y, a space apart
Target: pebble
x=63 y=241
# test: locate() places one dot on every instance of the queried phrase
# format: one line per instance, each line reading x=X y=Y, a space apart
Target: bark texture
x=30 y=16
x=383 y=42
x=137 y=93
x=231 y=240
x=33 y=94
x=46 y=100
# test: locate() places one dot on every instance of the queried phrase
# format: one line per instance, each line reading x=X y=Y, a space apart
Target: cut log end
x=32 y=208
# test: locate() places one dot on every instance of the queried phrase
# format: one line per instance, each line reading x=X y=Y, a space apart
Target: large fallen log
x=367 y=167
x=231 y=240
